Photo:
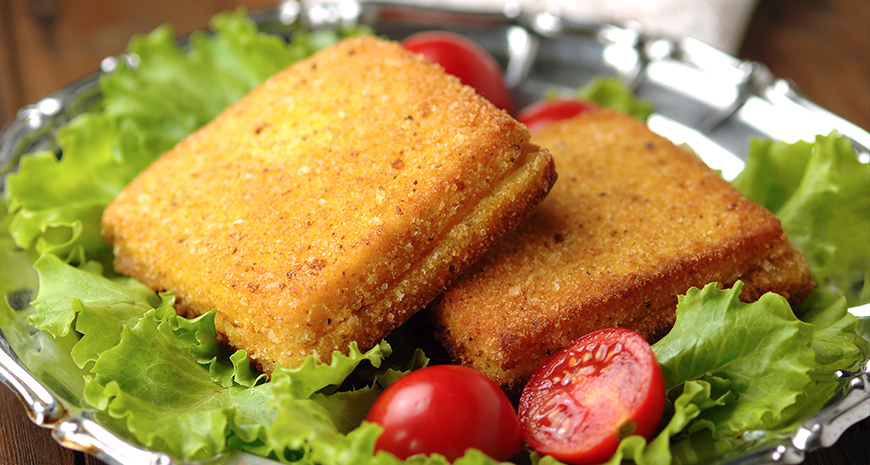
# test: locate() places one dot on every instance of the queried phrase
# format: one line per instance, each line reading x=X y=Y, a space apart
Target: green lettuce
x=62 y=217
x=821 y=193
x=153 y=382
x=774 y=347
x=46 y=356
x=793 y=358
x=610 y=92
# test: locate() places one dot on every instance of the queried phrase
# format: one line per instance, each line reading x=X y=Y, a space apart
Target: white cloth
x=720 y=23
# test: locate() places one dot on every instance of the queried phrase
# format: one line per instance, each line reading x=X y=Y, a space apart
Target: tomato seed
x=601 y=354
x=557 y=421
x=617 y=348
x=565 y=426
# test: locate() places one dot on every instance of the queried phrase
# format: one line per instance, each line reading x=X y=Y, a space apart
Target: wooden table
x=823 y=46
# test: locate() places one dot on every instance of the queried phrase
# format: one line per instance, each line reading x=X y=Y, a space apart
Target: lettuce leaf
x=315 y=418
x=739 y=344
x=796 y=357
x=90 y=300
x=154 y=382
x=62 y=216
x=47 y=357
x=610 y=92
x=305 y=414
x=821 y=193
x=18 y=279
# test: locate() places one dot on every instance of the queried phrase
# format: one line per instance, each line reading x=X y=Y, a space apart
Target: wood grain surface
x=823 y=46
x=47 y=44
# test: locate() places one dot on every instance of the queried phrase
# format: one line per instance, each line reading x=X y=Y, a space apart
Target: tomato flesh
x=446 y=409
x=463 y=58
x=586 y=398
x=544 y=112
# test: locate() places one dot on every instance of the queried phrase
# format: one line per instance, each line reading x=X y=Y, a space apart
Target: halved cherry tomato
x=446 y=409
x=544 y=112
x=586 y=398
x=463 y=58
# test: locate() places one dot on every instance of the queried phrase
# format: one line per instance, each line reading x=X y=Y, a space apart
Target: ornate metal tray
x=703 y=97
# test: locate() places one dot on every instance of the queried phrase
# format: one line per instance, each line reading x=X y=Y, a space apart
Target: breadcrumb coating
x=632 y=222
x=330 y=204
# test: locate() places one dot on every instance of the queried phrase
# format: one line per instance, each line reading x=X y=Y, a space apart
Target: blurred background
x=823 y=46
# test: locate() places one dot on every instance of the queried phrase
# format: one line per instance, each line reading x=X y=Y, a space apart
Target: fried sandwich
x=330 y=204
x=632 y=222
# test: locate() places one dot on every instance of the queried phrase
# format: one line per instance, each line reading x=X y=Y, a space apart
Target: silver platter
x=703 y=97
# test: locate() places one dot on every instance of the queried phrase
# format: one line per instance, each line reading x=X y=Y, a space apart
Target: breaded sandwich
x=330 y=204
x=632 y=222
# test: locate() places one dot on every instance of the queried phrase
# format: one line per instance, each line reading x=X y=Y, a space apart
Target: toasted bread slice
x=330 y=204
x=632 y=222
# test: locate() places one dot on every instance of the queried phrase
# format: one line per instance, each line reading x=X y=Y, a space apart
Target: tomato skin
x=463 y=58
x=615 y=388
x=446 y=409
x=544 y=112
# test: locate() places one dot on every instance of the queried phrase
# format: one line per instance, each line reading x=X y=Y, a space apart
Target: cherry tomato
x=544 y=112
x=586 y=398
x=446 y=409
x=463 y=58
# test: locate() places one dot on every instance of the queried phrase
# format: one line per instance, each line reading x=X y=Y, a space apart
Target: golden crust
x=330 y=204
x=633 y=222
